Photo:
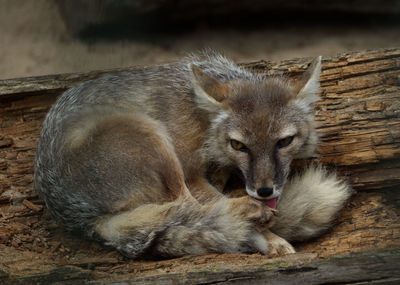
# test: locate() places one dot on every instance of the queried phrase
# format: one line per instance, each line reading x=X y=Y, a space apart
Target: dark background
x=56 y=36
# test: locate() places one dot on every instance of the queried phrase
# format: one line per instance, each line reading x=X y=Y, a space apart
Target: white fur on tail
x=309 y=203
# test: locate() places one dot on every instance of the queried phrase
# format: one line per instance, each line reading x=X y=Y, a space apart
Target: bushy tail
x=309 y=203
x=179 y=228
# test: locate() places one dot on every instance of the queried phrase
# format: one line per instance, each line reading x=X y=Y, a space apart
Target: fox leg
x=277 y=245
x=203 y=191
x=128 y=168
x=182 y=227
x=132 y=232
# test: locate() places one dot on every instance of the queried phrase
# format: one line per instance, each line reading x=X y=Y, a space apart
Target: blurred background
x=40 y=37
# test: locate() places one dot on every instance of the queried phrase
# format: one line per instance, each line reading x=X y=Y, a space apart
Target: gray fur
x=128 y=184
x=193 y=231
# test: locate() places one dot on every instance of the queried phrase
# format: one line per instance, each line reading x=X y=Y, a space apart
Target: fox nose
x=265 y=191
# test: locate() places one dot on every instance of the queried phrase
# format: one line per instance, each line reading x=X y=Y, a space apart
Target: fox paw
x=277 y=246
x=253 y=210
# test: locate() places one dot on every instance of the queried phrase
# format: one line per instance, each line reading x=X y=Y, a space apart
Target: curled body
x=123 y=158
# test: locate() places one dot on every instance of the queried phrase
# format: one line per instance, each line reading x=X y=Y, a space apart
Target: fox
x=123 y=160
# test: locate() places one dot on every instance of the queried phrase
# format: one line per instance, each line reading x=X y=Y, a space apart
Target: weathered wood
x=376 y=267
x=359 y=118
x=380 y=267
x=359 y=115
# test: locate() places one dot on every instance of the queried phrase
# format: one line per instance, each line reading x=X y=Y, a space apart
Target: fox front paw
x=277 y=246
x=253 y=210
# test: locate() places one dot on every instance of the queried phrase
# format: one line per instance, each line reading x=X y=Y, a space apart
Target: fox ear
x=208 y=89
x=307 y=87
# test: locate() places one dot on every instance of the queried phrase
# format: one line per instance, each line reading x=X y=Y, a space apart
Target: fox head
x=259 y=125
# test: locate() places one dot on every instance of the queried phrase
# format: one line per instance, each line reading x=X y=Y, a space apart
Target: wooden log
x=359 y=118
x=379 y=267
x=359 y=113
x=376 y=267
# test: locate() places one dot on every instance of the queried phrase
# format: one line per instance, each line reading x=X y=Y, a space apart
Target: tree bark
x=359 y=123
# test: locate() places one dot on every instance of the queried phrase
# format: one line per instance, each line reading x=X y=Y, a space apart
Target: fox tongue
x=271 y=203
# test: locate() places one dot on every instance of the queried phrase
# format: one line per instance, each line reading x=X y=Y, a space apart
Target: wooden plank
x=381 y=267
x=359 y=117
x=376 y=267
x=359 y=113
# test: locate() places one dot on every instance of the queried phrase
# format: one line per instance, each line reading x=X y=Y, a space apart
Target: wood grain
x=359 y=123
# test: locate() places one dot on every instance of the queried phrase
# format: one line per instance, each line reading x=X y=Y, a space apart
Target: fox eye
x=237 y=145
x=284 y=142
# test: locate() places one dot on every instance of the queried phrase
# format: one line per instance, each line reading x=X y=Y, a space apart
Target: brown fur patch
x=211 y=86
